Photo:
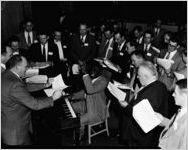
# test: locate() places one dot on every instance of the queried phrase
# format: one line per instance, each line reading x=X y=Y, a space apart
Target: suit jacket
x=151 y=53
x=23 y=42
x=36 y=53
x=104 y=47
x=168 y=79
x=121 y=58
x=16 y=107
x=83 y=51
x=175 y=139
x=158 y=38
x=157 y=95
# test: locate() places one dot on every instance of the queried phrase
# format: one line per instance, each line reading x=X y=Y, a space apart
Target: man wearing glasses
x=167 y=75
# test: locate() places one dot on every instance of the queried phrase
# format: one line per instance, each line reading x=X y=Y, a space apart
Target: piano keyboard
x=68 y=109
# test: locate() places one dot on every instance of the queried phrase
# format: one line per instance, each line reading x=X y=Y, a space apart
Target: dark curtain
x=12 y=14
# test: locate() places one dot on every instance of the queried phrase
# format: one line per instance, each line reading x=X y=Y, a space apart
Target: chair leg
x=106 y=124
x=89 y=134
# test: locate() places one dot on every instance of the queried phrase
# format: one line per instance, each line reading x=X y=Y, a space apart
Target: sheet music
x=121 y=86
x=119 y=94
x=145 y=116
x=49 y=92
x=109 y=64
x=179 y=76
x=37 y=79
x=57 y=84
x=165 y=63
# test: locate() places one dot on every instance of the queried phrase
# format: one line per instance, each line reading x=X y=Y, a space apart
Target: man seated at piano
x=90 y=102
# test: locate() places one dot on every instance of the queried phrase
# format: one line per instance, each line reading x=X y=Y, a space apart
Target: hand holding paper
x=165 y=63
x=179 y=76
x=57 y=94
x=145 y=116
x=119 y=94
x=57 y=84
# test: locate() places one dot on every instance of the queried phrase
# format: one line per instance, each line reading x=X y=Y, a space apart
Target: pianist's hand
x=57 y=94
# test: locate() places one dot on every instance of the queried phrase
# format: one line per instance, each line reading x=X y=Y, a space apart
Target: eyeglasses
x=172 y=45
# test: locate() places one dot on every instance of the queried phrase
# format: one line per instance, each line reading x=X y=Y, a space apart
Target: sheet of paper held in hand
x=179 y=76
x=145 y=116
x=165 y=63
x=114 y=90
x=57 y=84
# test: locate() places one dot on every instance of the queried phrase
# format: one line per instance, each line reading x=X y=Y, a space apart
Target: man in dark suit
x=158 y=33
x=17 y=103
x=157 y=95
x=28 y=36
x=62 y=43
x=137 y=35
x=44 y=51
x=106 y=46
x=83 y=46
x=120 y=56
x=150 y=51
x=14 y=43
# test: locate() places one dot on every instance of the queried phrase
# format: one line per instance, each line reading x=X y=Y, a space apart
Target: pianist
x=92 y=104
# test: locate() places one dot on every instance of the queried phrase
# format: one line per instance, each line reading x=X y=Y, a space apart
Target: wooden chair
x=93 y=132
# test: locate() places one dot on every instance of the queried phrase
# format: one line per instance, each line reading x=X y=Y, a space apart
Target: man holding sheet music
x=132 y=135
x=171 y=62
x=17 y=103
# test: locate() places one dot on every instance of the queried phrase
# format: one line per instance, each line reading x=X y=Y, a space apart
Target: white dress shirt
x=60 y=48
x=26 y=36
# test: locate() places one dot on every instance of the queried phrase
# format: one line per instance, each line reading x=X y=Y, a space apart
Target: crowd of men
x=137 y=55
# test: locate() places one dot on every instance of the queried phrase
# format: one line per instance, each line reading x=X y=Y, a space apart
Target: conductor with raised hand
x=17 y=104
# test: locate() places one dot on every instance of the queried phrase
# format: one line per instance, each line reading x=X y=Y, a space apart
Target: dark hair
x=13 y=61
x=169 y=33
x=13 y=39
x=122 y=33
x=148 y=32
x=27 y=20
x=182 y=84
x=139 y=28
x=138 y=53
x=132 y=43
x=174 y=38
x=43 y=32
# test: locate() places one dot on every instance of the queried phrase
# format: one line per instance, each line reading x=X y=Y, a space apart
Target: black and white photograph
x=94 y=75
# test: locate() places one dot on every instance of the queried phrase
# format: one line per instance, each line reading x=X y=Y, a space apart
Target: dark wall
x=12 y=14
x=93 y=11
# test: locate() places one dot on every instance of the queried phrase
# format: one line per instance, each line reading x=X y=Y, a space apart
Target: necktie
x=82 y=39
x=146 y=46
x=29 y=39
x=168 y=55
x=44 y=52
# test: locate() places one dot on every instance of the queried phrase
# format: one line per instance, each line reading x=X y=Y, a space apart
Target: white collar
x=3 y=66
x=121 y=46
x=181 y=113
x=15 y=74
